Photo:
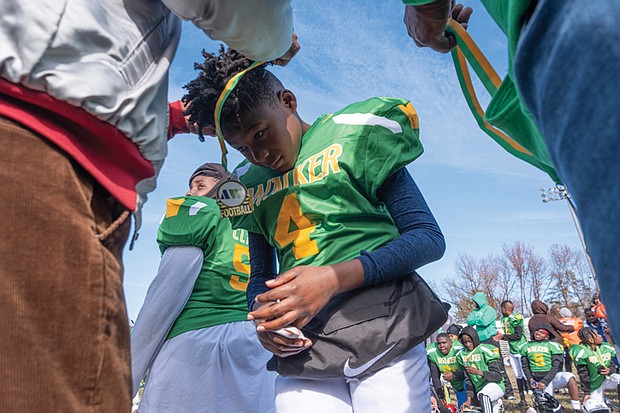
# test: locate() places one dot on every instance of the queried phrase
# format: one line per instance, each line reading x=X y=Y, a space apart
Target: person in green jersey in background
x=542 y=360
x=483 y=373
x=336 y=205
x=514 y=335
x=442 y=363
x=192 y=336
x=484 y=320
x=593 y=359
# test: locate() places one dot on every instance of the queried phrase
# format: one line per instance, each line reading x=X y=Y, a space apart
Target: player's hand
x=291 y=52
x=433 y=401
x=448 y=376
x=300 y=293
x=473 y=370
x=426 y=24
x=605 y=371
x=467 y=403
x=498 y=337
x=540 y=386
x=279 y=344
x=193 y=127
x=585 y=397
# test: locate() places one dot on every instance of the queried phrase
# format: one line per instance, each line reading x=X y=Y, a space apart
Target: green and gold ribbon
x=466 y=52
x=230 y=86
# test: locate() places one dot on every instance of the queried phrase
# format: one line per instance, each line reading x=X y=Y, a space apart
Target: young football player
x=442 y=362
x=192 y=335
x=513 y=333
x=542 y=360
x=336 y=206
x=453 y=331
x=483 y=318
x=593 y=359
x=483 y=374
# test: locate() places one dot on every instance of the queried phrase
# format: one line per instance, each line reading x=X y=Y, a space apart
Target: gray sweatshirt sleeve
x=165 y=298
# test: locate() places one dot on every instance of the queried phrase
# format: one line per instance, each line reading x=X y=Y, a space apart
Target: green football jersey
x=540 y=354
x=509 y=323
x=479 y=357
x=218 y=296
x=325 y=210
x=446 y=363
x=584 y=355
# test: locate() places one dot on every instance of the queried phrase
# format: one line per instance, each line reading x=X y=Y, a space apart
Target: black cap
x=454 y=329
x=213 y=170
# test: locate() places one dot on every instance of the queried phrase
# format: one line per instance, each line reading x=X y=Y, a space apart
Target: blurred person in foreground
x=562 y=59
x=84 y=106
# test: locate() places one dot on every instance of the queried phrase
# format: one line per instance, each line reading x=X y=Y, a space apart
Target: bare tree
x=571 y=277
x=472 y=275
x=529 y=271
x=538 y=276
x=516 y=262
x=506 y=284
x=520 y=275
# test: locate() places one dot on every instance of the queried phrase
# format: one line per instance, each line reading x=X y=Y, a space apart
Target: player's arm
x=458 y=375
x=562 y=328
x=436 y=378
x=584 y=378
x=261 y=30
x=516 y=336
x=165 y=298
x=263 y=266
x=426 y=21
x=495 y=372
x=469 y=387
x=525 y=365
x=420 y=241
x=556 y=365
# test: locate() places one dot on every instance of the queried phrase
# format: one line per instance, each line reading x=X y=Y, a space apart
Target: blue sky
x=481 y=196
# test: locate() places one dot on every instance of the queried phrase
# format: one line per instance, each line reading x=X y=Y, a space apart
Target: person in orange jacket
x=598 y=307
x=566 y=318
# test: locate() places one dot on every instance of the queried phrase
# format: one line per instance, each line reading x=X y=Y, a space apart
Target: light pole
x=559 y=193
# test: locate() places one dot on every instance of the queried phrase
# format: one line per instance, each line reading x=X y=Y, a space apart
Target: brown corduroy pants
x=64 y=334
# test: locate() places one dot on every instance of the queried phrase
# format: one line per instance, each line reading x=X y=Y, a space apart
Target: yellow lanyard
x=220 y=103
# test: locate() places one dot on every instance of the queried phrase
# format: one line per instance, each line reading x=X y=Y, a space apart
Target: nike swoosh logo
x=354 y=372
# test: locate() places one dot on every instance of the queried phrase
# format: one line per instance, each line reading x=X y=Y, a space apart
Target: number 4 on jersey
x=294 y=227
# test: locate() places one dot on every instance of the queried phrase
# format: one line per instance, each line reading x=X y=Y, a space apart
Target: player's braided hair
x=256 y=87
x=585 y=334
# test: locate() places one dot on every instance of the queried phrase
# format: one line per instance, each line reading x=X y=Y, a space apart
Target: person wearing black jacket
x=541 y=315
x=483 y=373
